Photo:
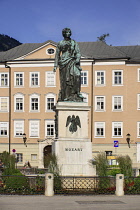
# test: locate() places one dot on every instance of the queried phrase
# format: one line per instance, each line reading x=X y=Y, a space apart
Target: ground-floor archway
x=47 y=153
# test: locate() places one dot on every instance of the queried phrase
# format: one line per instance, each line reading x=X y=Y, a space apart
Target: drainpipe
x=92 y=100
x=6 y=66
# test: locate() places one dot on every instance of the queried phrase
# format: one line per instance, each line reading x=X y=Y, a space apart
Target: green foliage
x=52 y=164
x=15 y=181
x=113 y=172
x=8 y=161
x=125 y=165
x=103 y=37
x=137 y=182
x=101 y=164
x=7 y=42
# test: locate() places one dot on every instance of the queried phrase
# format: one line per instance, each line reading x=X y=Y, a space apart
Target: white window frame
x=18 y=96
x=99 y=125
x=99 y=78
x=50 y=79
x=138 y=75
x=117 y=125
x=33 y=157
x=6 y=110
x=138 y=101
x=50 y=96
x=50 y=48
x=138 y=129
x=113 y=78
x=1 y=85
x=49 y=122
x=113 y=103
x=82 y=72
x=34 y=85
x=33 y=96
x=21 y=124
x=34 y=124
x=85 y=95
x=96 y=104
x=20 y=78
x=6 y=126
x=19 y=157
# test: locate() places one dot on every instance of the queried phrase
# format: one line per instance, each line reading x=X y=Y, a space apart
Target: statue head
x=66 y=32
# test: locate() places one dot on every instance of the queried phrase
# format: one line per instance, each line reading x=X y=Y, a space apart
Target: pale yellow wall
x=130 y=115
x=41 y=53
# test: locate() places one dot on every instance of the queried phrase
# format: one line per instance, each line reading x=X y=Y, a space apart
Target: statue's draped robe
x=68 y=59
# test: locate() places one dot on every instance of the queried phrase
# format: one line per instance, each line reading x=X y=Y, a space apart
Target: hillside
x=7 y=42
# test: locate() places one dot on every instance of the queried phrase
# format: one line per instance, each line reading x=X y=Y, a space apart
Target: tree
x=103 y=37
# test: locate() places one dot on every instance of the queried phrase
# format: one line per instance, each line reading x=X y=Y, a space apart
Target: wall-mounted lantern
x=128 y=139
x=24 y=139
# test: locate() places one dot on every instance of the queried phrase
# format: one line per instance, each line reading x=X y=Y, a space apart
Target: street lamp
x=128 y=139
x=24 y=139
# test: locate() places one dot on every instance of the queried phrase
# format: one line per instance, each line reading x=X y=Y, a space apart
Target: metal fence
x=22 y=185
x=84 y=185
x=132 y=185
x=35 y=184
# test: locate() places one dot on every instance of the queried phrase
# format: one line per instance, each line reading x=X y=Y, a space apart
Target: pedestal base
x=73 y=147
x=74 y=158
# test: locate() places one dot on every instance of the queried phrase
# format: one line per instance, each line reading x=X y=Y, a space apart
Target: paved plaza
x=58 y=202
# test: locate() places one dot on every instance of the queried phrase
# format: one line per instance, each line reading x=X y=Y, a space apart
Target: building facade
x=110 y=84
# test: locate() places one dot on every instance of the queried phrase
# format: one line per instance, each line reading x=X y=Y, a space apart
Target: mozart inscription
x=74 y=149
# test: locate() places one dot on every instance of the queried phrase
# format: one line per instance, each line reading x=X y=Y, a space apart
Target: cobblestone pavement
x=57 y=202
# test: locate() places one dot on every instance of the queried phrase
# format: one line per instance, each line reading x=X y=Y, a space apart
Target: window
x=34 y=128
x=85 y=95
x=117 y=103
x=4 y=79
x=19 y=157
x=99 y=78
x=3 y=129
x=50 y=78
x=100 y=129
x=34 y=79
x=19 y=79
x=100 y=103
x=49 y=128
x=18 y=128
x=50 y=51
x=117 y=128
x=19 y=102
x=34 y=102
x=4 y=104
x=117 y=77
x=138 y=129
x=84 y=78
x=138 y=75
x=138 y=101
x=50 y=101
x=33 y=157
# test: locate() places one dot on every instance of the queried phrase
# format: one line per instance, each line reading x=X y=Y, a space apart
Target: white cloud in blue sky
x=40 y=20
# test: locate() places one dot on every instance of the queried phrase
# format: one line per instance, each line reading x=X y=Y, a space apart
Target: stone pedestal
x=73 y=147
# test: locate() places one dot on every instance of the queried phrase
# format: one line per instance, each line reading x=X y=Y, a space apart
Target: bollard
x=119 y=184
x=49 y=179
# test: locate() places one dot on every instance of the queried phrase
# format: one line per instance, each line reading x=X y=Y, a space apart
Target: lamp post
x=24 y=139
x=128 y=139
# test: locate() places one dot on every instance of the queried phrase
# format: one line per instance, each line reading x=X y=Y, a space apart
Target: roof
x=95 y=50
x=132 y=51
x=100 y=50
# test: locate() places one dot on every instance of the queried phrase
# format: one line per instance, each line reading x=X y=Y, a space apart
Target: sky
x=36 y=21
